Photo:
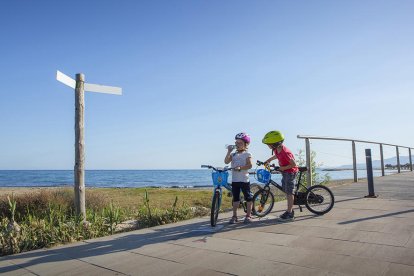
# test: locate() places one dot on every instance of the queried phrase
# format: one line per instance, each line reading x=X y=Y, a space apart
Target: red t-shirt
x=284 y=157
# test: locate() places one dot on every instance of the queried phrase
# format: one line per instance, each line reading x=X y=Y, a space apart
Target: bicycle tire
x=319 y=199
x=254 y=187
x=215 y=208
x=263 y=202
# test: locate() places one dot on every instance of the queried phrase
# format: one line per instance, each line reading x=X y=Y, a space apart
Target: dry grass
x=161 y=198
x=38 y=199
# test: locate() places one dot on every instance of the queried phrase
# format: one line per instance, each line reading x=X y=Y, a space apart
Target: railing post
x=382 y=161
x=354 y=162
x=308 y=162
x=398 y=160
x=354 y=159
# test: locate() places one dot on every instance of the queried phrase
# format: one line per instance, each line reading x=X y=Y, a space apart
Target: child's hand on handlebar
x=267 y=164
x=260 y=163
x=276 y=168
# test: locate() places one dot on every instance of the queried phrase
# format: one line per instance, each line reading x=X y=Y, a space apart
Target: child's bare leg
x=290 y=199
x=235 y=206
x=249 y=209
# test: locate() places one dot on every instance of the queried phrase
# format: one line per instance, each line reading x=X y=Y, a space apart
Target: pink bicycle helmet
x=243 y=136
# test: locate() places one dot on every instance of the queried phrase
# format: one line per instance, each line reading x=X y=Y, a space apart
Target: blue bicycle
x=220 y=177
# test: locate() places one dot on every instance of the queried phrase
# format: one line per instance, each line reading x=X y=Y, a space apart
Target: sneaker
x=286 y=216
x=248 y=220
x=233 y=220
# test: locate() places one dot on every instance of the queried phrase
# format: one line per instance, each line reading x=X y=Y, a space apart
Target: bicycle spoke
x=263 y=202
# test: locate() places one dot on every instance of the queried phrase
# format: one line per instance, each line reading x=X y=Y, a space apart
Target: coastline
x=19 y=190
x=130 y=179
x=4 y=191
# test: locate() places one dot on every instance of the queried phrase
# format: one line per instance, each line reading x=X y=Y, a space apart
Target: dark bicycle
x=318 y=199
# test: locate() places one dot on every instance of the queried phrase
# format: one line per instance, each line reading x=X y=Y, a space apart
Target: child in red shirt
x=274 y=140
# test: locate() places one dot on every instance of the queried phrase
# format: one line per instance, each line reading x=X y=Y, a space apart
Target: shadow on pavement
x=349 y=199
x=111 y=244
x=376 y=217
x=125 y=242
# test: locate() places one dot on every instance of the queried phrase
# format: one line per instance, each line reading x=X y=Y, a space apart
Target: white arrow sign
x=65 y=79
x=103 y=89
x=88 y=86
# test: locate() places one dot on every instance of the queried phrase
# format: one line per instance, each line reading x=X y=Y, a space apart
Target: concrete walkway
x=360 y=236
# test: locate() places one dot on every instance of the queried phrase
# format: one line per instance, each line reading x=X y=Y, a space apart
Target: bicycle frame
x=219 y=177
x=218 y=185
x=318 y=199
x=280 y=187
x=220 y=190
x=274 y=183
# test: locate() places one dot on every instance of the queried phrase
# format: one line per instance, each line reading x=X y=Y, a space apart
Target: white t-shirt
x=239 y=160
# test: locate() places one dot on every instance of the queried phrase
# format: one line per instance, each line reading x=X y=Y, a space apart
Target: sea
x=137 y=178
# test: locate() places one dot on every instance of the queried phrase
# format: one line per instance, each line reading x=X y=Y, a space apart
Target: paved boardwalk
x=360 y=236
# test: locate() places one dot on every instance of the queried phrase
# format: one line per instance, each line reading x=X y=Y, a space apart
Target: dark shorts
x=244 y=187
x=288 y=182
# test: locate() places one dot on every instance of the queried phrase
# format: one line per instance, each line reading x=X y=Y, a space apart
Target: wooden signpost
x=79 y=170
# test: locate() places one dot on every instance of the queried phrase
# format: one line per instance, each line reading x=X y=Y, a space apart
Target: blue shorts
x=244 y=187
x=288 y=182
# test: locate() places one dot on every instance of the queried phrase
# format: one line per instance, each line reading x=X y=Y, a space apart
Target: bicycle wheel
x=243 y=203
x=319 y=199
x=263 y=201
x=254 y=188
x=215 y=208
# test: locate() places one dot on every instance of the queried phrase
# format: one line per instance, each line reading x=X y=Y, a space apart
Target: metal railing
x=308 y=153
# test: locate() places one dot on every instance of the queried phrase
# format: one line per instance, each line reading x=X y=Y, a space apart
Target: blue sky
x=195 y=73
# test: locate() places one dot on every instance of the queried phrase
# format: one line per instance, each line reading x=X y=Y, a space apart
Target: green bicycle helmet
x=273 y=137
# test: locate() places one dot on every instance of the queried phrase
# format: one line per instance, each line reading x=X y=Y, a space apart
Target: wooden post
x=354 y=162
x=382 y=160
x=411 y=161
x=308 y=162
x=79 y=169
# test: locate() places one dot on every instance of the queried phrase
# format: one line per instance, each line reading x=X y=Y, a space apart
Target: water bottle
x=230 y=147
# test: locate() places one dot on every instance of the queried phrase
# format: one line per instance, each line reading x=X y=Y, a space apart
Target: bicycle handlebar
x=216 y=169
x=271 y=167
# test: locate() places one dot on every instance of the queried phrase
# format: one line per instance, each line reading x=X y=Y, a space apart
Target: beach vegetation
x=44 y=218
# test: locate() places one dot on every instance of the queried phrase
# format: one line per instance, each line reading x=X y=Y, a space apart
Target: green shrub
x=316 y=177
